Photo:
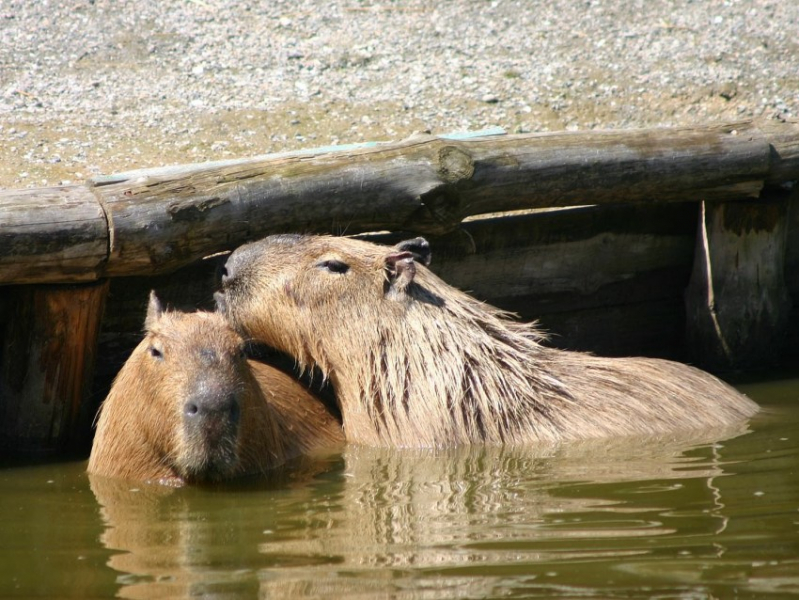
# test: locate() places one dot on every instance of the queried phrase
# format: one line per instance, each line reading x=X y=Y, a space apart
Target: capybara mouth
x=211 y=458
x=210 y=437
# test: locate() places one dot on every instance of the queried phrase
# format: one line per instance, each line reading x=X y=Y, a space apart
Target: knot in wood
x=454 y=164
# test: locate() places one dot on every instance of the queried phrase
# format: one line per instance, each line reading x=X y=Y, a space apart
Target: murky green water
x=711 y=516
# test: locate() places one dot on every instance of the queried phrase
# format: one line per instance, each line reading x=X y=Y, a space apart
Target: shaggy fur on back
x=416 y=362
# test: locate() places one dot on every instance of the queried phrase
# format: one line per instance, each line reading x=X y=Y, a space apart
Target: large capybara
x=416 y=362
x=188 y=407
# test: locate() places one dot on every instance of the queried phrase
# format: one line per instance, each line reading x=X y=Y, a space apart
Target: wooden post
x=737 y=301
x=48 y=339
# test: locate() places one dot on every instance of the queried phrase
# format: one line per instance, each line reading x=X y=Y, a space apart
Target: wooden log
x=162 y=219
x=784 y=145
x=51 y=235
x=49 y=336
x=574 y=168
x=737 y=302
x=157 y=220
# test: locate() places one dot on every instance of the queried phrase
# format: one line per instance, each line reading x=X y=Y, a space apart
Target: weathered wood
x=49 y=337
x=784 y=144
x=792 y=245
x=162 y=219
x=571 y=258
x=567 y=169
x=51 y=235
x=737 y=303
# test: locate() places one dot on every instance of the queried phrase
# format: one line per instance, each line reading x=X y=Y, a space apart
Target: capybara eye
x=334 y=266
x=155 y=352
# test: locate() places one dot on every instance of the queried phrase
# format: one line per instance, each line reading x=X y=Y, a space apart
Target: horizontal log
x=573 y=168
x=161 y=219
x=784 y=144
x=56 y=234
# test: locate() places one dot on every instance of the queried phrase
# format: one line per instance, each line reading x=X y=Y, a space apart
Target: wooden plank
x=650 y=328
x=569 y=259
x=792 y=246
x=48 y=335
x=56 y=234
x=570 y=256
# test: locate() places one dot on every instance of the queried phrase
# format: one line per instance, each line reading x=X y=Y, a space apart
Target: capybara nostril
x=228 y=271
x=223 y=406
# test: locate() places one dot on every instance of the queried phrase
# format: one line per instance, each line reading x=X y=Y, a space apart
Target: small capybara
x=416 y=362
x=188 y=407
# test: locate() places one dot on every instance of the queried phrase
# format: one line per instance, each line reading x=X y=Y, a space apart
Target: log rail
x=157 y=220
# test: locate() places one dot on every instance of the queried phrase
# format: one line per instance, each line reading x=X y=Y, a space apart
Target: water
x=707 y=516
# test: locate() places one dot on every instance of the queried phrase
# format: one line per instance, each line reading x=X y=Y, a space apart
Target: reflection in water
x=187 y=542
x=586 y=519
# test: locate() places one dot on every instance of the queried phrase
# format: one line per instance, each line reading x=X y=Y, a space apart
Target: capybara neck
x=415 y=362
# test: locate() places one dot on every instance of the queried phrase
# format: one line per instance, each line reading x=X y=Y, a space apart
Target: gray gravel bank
x=89 y=87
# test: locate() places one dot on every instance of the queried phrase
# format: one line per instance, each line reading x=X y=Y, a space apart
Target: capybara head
x=184 y=407
x=382 y=326
x=416 y=362
x=300 y=294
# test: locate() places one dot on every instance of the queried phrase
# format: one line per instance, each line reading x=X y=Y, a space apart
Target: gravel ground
x=101 y=86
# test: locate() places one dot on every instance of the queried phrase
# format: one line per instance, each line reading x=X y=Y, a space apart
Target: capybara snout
x=205 y=407
x=212 y=417
x=216 y=392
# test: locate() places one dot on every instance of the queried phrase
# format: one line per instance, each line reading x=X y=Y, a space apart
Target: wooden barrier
x=46 y=364
x=607 y=275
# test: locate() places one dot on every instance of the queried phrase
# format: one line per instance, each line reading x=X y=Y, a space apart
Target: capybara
x=188 y=407
x=416 y=362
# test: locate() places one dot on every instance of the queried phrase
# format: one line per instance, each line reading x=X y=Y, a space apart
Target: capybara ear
x=401 y=269
x=154 y=311
x=419 y=247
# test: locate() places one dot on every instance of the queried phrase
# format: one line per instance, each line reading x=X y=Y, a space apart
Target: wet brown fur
x=140 y=434
x=415 y=362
